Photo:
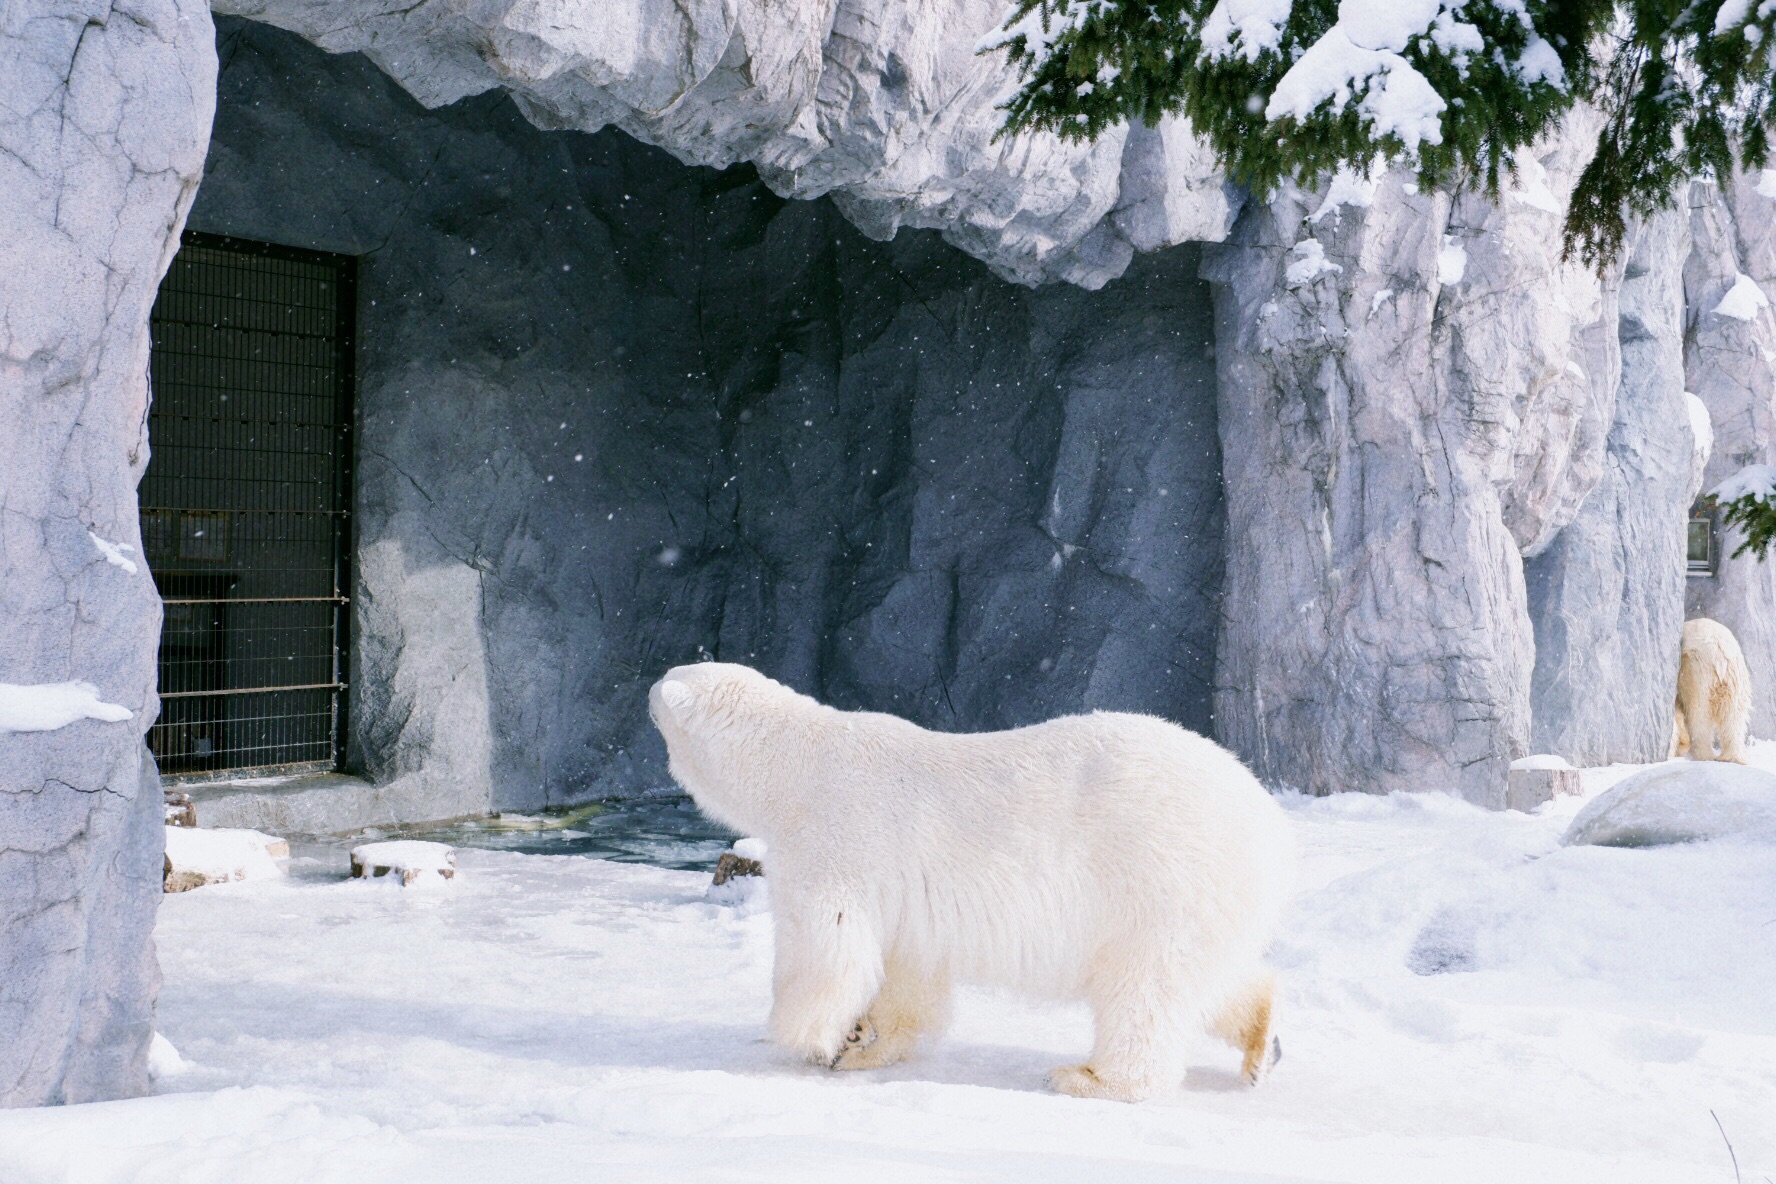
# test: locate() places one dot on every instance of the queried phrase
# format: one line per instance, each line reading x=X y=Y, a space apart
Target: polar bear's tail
x=1245 y=1022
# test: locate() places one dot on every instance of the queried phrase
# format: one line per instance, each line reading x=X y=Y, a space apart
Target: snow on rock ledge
x=1680 y=802
x=882 y=104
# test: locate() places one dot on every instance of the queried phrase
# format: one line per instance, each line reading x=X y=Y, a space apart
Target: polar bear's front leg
x=914 y=1001
x=828 y=964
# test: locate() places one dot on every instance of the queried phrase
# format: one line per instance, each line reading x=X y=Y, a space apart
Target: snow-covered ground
x=1466 y=1001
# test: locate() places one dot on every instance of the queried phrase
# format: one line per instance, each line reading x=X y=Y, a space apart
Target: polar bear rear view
x=1713 y=694
x=1113 y=858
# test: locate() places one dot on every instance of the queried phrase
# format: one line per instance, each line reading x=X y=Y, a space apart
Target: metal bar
x=269 y=599
x=312 y=686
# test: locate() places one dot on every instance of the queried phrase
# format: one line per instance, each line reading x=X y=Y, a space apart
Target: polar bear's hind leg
x=1141 y=1011
x=1245 y=1023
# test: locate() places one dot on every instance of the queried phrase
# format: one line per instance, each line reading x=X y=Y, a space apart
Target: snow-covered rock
x=739 y=880
x=1680 y=801
x=404 y=861
x=196 y=856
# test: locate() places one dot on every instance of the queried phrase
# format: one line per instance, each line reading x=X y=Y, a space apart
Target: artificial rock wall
x=101 y=145
x=617 y=413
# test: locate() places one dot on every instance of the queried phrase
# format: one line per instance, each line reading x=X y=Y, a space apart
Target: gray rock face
x=1730 y=365
x=1607 y=596
x=883 y=105
x=101 y=145
x=660 y=412
x=1411 y=396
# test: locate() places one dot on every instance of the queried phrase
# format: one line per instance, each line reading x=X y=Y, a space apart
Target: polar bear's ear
x=675 y=694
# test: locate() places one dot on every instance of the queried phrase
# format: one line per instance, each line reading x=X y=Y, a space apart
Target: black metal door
x=246 y=505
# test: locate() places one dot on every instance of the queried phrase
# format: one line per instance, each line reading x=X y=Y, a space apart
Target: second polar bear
x=1113 y=858
x=1713 y=694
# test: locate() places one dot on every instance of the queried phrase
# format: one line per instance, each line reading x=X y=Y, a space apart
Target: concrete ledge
x=308 y=804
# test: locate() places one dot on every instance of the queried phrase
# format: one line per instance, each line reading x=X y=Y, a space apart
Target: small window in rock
x=1701 y=541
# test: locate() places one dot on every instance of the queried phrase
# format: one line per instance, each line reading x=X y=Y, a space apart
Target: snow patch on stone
x=114 y=553
x=1310 y=262
x=1347 y=188
x=1743 y=301
x=1541 y=761
x=44 y=707
x=1452 y=261
x=1532 y=183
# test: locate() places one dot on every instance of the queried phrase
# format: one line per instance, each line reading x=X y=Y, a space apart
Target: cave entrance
x=246 y=505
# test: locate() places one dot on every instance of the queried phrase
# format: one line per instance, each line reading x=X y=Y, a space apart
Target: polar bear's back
x=1026 y=848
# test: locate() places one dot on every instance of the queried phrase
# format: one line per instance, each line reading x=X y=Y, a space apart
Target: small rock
x=1527 y=788
x=179 y=810
x=731 y=865
x=408 y=860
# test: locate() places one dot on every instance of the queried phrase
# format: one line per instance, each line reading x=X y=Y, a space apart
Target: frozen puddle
x=1466 y=1002
x=663 y=829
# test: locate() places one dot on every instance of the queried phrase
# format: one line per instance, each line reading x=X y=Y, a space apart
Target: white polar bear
x=1713 y=694
x=1114 y=858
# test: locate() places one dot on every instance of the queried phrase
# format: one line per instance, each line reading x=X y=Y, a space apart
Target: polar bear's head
x=728 y=732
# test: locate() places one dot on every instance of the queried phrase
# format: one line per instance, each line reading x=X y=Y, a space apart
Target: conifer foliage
x=1295 y=89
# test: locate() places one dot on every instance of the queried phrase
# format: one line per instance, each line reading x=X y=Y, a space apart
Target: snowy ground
x=1467 y=1001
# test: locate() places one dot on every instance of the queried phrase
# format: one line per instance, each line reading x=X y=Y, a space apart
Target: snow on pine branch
x=1294 y=90
x=1748 y=501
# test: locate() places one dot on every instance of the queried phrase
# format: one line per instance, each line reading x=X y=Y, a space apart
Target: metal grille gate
x=246 y=505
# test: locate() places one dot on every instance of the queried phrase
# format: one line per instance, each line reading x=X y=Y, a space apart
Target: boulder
x=196 y=857
x=1680 y=802
x=409 y=860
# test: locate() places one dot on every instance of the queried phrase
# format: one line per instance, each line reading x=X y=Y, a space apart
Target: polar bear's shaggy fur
x=1113 y=858
x=1713 y=693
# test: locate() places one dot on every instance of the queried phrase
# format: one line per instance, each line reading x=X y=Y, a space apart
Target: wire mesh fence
x=246 y=505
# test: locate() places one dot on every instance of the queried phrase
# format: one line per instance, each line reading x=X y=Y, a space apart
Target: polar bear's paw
x=860 y=1041
x=875 y=1049
x=1081 y=1081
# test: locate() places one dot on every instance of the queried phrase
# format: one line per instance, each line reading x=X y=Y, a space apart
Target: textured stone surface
x=101 y=142
x=1731 y=366
x=881 y=104
x=1680 y=802
x=875 y=470
x=1607 y=596
x=1394 y=435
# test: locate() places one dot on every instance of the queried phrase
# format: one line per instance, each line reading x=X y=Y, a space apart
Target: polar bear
x=1113 y=858
x=1713 y=693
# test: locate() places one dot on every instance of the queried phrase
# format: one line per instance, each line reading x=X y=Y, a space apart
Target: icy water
x=663 y=829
